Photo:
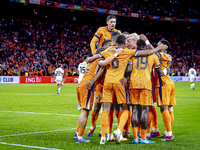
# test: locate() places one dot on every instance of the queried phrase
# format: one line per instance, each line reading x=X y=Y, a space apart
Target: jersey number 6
x=115 y=63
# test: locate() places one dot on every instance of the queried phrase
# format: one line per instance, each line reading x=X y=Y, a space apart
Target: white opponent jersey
x=59 y=72
x=81 y=69
x=192 y=72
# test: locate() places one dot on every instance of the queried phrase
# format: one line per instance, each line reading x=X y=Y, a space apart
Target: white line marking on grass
x=188 y=99
x=39 y=94
x=41 y=113
x=20 y=145
x=44 y=132
x=187 y=95
x=69 y=115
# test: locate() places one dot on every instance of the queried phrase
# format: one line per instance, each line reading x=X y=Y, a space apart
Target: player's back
x=115 y=69
x=90 y=72
x=192 y=72
x=141 y=74
x=81 y=69
x=165 y=62
x=59 y=73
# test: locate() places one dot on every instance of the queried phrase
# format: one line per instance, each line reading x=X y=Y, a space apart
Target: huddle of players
x=122 y=74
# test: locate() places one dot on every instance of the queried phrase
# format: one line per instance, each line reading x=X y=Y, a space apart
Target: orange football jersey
x=141 y=74
x=165 y=62
x=103 y=33
x=116 y=69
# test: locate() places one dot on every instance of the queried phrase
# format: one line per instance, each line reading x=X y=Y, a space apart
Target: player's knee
x=106 y=106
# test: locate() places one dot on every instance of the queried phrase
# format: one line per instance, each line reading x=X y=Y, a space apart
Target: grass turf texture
x=32 y=108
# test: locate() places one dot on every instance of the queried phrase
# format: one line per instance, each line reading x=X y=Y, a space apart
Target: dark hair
x=114 y=36
x=85 y=57
x=120 y=39
x=125 y=32
x=110 y=17
x=163 y=41
x=105 y=42
x=59 y=65
x=99 y=50
x=141 y=44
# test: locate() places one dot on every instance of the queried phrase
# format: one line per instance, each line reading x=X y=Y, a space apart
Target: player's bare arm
x=93 y=58
x=144 y=38
x=91 y=82
x=109 y=59
x=149 y=52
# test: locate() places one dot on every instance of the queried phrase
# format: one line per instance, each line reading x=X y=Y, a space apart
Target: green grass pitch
x=33 y=116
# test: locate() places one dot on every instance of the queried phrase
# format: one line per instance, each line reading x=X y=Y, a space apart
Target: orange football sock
x=119 y=116
x=94 y=118
x=104 y=122
x=110 y=122
x=81 y=132
x=123 y=120
x=128 y=123
x=167 y=120
x=149 y=123
x=135 y=132
x=143 y=134
x=154 y=117
x=172 y=117
x=77 y=127
x=129 y=119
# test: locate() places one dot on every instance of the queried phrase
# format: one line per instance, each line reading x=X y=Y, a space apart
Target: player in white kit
x=192 y=74
x=81 y=72
x=58 y=77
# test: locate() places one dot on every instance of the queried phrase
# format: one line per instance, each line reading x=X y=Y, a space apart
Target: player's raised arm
x=93 y=58
x=144 y=38
x=109 y=59
x=148 y=52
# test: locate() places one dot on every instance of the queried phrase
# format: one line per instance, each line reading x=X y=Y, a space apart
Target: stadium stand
x=34 y=45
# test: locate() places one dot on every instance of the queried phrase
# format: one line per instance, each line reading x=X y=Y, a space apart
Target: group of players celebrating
x=126 y=75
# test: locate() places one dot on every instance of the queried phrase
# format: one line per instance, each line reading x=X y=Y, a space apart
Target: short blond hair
x=134 y=36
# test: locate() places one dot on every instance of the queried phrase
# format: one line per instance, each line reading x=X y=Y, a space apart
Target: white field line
x=43 y=132
x=53 y=114
x=38 y=94
x=36 y=147
x=188 y=99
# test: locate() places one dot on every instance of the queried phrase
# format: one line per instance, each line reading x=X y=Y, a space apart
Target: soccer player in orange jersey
x=112 y=85
x=140 y=91
x=104 y=33
x=97 y=96
x=166 y=98
x=85 y=94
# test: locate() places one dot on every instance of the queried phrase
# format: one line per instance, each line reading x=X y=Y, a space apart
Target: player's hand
x=119 y=51
x=123 y=81
x=143 y=37
x=162 y=46
x=89 y=84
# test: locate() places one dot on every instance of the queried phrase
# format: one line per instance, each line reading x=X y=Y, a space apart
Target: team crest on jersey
x=97 y=98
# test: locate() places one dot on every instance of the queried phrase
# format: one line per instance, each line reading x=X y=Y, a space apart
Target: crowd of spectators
x=171 y=8
x=36 y=47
